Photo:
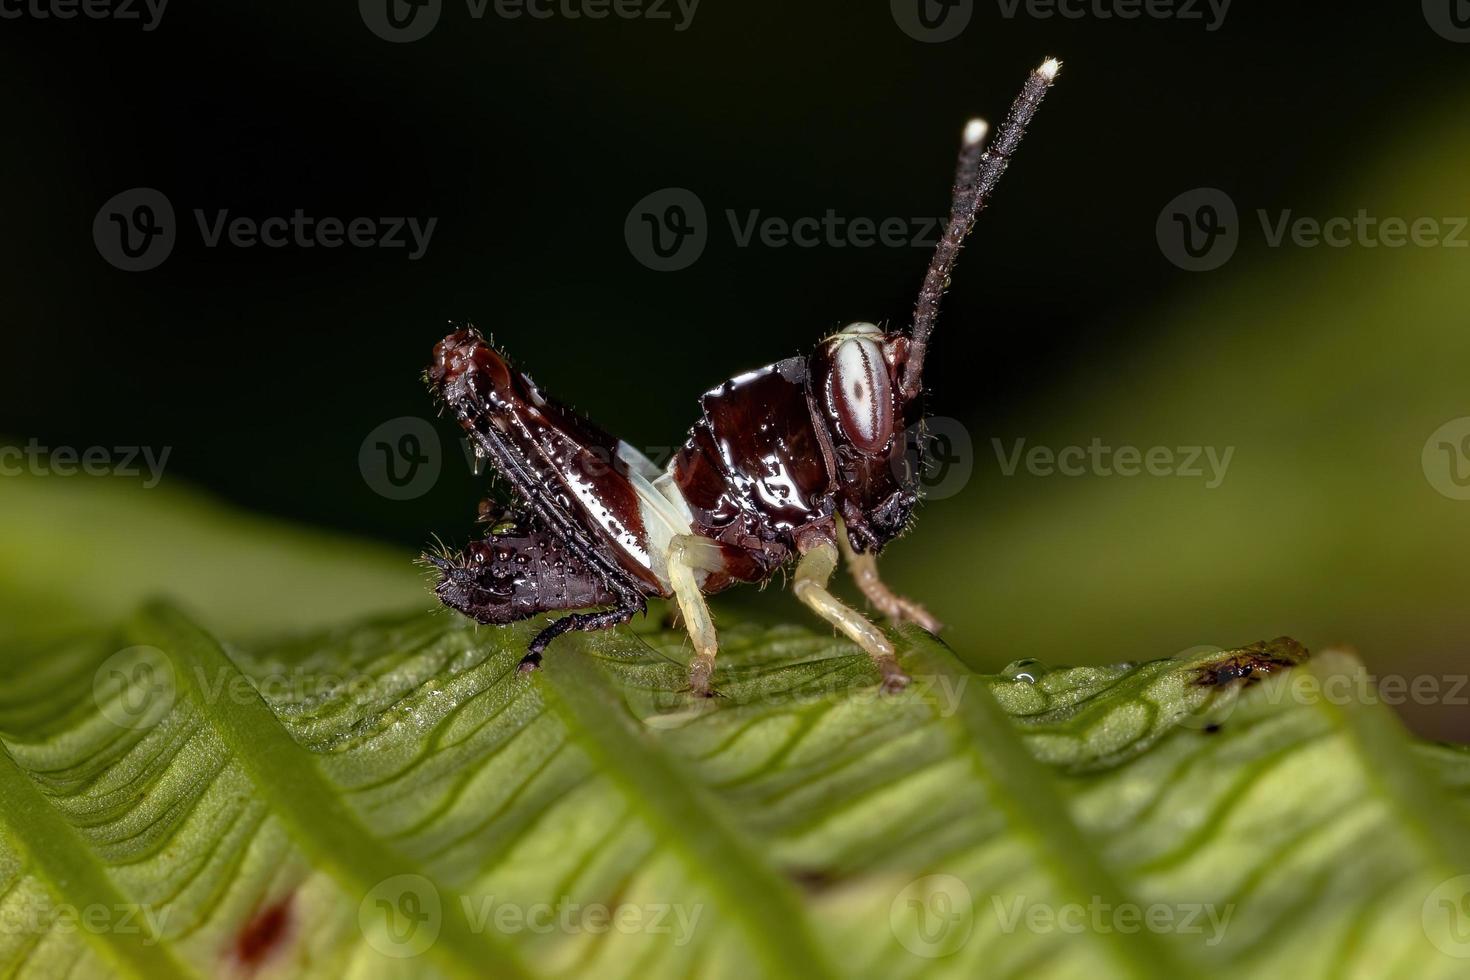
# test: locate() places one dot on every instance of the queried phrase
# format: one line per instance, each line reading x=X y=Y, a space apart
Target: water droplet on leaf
x=1027 y=670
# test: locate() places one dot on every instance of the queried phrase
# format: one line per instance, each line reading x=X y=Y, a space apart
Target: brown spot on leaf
x=811 y=879
x=1251 y=664
x=264 y=935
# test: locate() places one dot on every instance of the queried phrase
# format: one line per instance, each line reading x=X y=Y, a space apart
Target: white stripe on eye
x=860 y=387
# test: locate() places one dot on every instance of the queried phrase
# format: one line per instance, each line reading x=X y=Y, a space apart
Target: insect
x=803 y=459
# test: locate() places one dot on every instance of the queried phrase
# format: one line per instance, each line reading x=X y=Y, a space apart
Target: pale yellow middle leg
x=687 y=554
x=813 y=572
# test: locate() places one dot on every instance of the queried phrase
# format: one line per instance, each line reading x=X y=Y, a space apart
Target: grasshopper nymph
x=803 y=459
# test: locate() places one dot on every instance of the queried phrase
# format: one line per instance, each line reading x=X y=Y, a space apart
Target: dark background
x=530 y=140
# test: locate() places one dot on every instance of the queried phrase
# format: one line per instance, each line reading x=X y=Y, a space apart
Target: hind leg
x=588 y=622
x=520 y=570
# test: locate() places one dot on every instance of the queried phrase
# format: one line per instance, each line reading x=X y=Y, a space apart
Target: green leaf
x=77 y=551
x=291 y=786
x=393 y=798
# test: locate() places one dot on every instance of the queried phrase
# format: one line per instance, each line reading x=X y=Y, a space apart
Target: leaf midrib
x=290 y=779
x=1034 y=806
x=61 y=858
x=752 y=894
x=1379 y=740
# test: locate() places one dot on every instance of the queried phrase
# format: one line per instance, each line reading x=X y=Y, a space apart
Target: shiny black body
x=769 y=463
x=577 y=511
x=778 y=457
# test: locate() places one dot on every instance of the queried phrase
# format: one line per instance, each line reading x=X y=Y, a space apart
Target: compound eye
x=861 y=395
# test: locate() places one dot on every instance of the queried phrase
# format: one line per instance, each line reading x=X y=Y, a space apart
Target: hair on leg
x=813 y=572
x=864 y=571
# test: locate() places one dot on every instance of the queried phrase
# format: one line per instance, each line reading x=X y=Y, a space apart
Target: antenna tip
x=975 y=131
x=1049 y=69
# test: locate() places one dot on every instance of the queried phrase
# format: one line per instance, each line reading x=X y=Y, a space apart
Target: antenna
x=976 y=175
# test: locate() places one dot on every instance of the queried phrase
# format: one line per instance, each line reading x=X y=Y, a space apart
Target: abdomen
x=519 y=570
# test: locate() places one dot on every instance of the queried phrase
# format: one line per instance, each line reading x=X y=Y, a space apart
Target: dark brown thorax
x=779 y=451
